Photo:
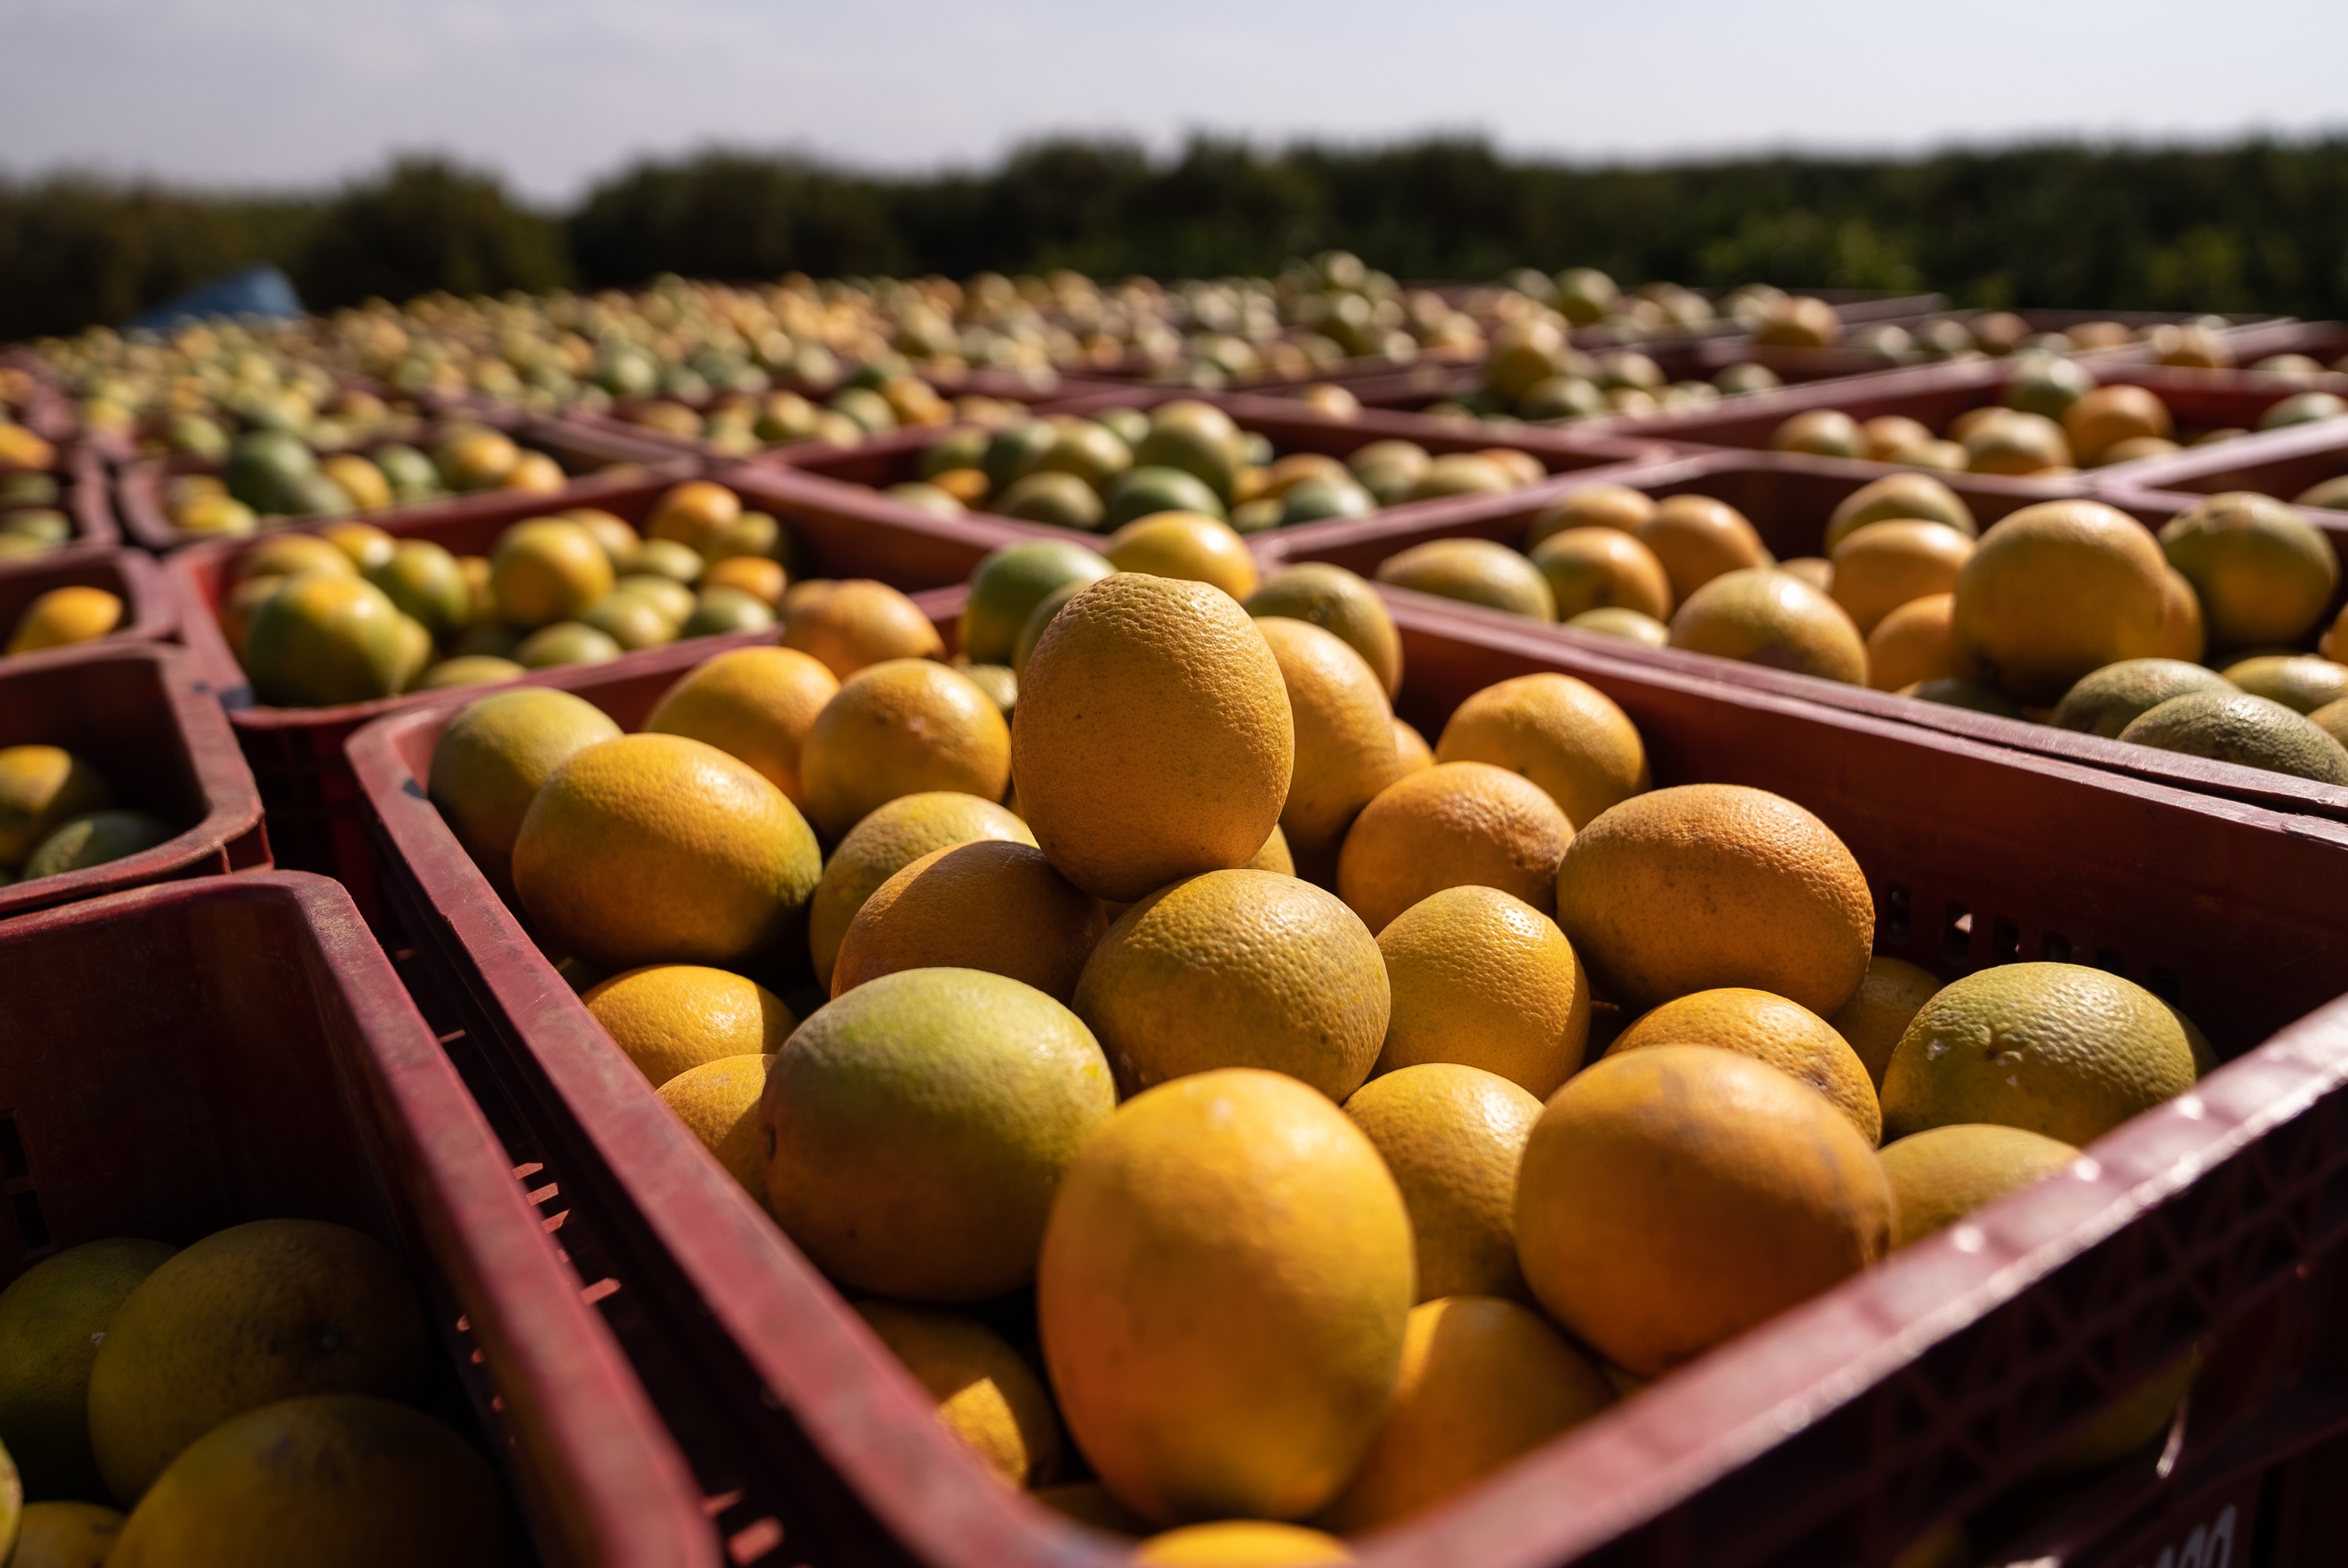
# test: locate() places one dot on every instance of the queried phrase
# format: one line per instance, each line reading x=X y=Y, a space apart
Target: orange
x=495 y=753
x=1878 y=1012
x=1617 y=507
x=1898 y=496
x=41 y=788
x=1759 y=615
x=1702 y=886
x=1783 y=1034
x=2262 y=572
x=851 y=624
x=889 y=839
x=669 y=1018
x=2107 y=416
x=1882 y=566
x=761 y=578
x=1453 y=825
x=987 y=1395
x=1336 y=600
x=1482 y=1383
x=718 y=1103
x=991 y=904
x=692 y=513
x=1241 y=1544
x=1917 y=642
x=2184 y=632
x=656 y=849
x=1697 y=538
x=901 y=727
x=1481 y=978
x=1474 y=571
x=63 y=617
x=1222 y=1294
x=2057 y=589
x=1237 y=969
x=754 y=703
x=1941 y=1175
x=1153 y=739
x=1601 y=569
x=1344 y=733
x=916 y=1128
x=1451 y=1136
x=1563 y=733
x=1412 y=753
x=545 y=569
x=1184 y=545
x=1673 y=1198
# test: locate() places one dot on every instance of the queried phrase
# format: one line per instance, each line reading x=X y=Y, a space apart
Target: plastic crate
x=1935 y=394
x=1788 y=498
x=2283 y=464
x=598 y=462
x=149 y=611
x=854 y=480
x=137 y=713
x=296 y=754
x=266 y=1064
x=1835 y=1434
x=83 y=499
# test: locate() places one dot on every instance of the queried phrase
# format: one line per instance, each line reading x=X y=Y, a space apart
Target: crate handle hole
x=2105 y=958
x=1957 y=932
x=2005 y=940
x=31 y=1223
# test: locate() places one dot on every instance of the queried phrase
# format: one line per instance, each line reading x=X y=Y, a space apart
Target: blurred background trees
x=2258 y=226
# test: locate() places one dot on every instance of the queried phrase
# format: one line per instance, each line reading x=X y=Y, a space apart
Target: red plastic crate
x=2283 y=464
x=597 y=461
x=1836 y=1433
x=1935 y=394
x=266 y=1064
x=296 y=754
x=1788 y=498
x=149 y=613
x=853 y=480
x=81 y=479
x=137 y=713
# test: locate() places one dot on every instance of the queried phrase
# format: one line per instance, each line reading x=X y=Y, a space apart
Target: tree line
x=2260 y=225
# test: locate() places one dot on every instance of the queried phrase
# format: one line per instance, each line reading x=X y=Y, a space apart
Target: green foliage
x=426 y=224
x=2260 y=226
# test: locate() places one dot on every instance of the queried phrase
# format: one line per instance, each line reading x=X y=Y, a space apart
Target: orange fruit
x=1452 y=825
x=1451 y=1136
x=852 y=624
x=1344 y=733
x=904 y=726
x=1482 y=1383
x=669 y=1018
x=991 y=904
x=1941 y=1175
x=2262 y=572
x=1481 y=978
x=2107 y=416
x=1880 y=566
x=890 y=839
x=1237 y=969
x=1412 y=752
x=754 y=703
x=656 y=849
x=1600 y=568
x=1697 y=538
x=1617 y=507
x=692 y=513
x=1153 y=739
x=1184 y=545
x=1702 y=886
x=1673 y=1198
x=1917 y=642
x=987 y=1395
x=2057 y=589
x=1474 y=571
x=1878 y=1012
x=1759 y=615
x=1898 y=496
x=1783 y=1034
x=1223 y=1295
x=1563 y=733
x=1336 y=600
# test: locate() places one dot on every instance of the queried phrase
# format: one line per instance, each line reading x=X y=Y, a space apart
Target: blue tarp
x=257 y=290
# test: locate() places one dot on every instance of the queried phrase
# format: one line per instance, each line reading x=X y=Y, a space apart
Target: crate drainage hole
x=2055 y=948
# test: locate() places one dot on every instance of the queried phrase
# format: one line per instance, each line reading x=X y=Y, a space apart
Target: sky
x=555 y=93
